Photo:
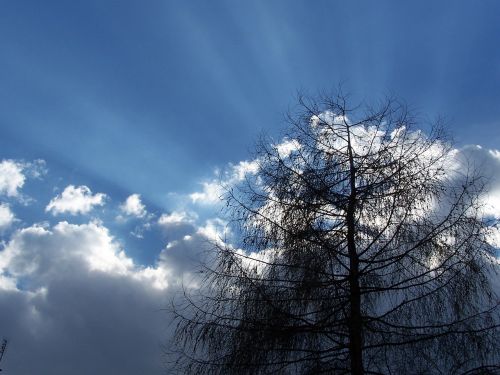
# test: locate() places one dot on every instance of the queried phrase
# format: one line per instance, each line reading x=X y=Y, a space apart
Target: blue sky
x=150 y=98
x=106 y=89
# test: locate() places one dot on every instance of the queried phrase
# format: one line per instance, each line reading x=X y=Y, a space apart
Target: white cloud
x=287 y=146
x=213 y=190
x=75 y=200
x=39 y=253
x=242 y=169
x=176 y=218
x=493 y=237
x=7 y=284
x=6 y=216
x=133 y=206
x=492 y=170
x=74 y=314
x=36 y=169
x=11 y=177
x=487 y=164
x=70 y=292
x=215 y=230
x=139 y=230
x=211 y=193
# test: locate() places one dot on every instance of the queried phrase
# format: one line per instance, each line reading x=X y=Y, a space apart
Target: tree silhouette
x=363 y=251
x=3 y=348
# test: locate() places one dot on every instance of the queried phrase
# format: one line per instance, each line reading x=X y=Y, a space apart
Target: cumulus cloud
x=286 y=147
x=177 y=225
x=487 y=164
x=11 y=177
x=182 y=257
x=75 y=200
x=6 y=216
x=213 y=190
x=215 y=230
x=176 y=218
x=70 y=293
x=38 y=253
x=493 y=237
x=492 y=169
x=211 y=193
x=133 y=206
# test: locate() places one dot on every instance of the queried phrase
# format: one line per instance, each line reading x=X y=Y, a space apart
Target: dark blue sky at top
x=150 y=96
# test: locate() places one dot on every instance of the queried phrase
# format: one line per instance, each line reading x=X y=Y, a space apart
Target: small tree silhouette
x=3 y=348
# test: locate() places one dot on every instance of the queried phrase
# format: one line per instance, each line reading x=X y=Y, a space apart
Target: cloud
x=11 y=177
x=37 y=253
x=139 y=230
x=6 y=216
x=177 y=218
x=133 y=206
x=75 y=200
x=487 y=164
x=177 y=225
x=211 y=193
x=493 y=237
x=182 y=258
x=73 y=302
x=215 y=230
x=287 y=147
x=213 y=190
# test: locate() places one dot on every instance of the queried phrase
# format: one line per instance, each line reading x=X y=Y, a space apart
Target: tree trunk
x=355 y=320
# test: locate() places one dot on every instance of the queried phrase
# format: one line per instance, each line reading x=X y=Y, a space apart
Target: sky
x=116 y=117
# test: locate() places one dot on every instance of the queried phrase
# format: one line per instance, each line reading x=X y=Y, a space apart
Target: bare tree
x=363 y=251
x=3 y=348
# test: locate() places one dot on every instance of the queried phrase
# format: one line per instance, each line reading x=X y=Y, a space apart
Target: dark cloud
x=81 y=306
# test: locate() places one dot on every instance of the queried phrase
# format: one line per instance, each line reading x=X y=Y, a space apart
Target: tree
x=363 y=250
